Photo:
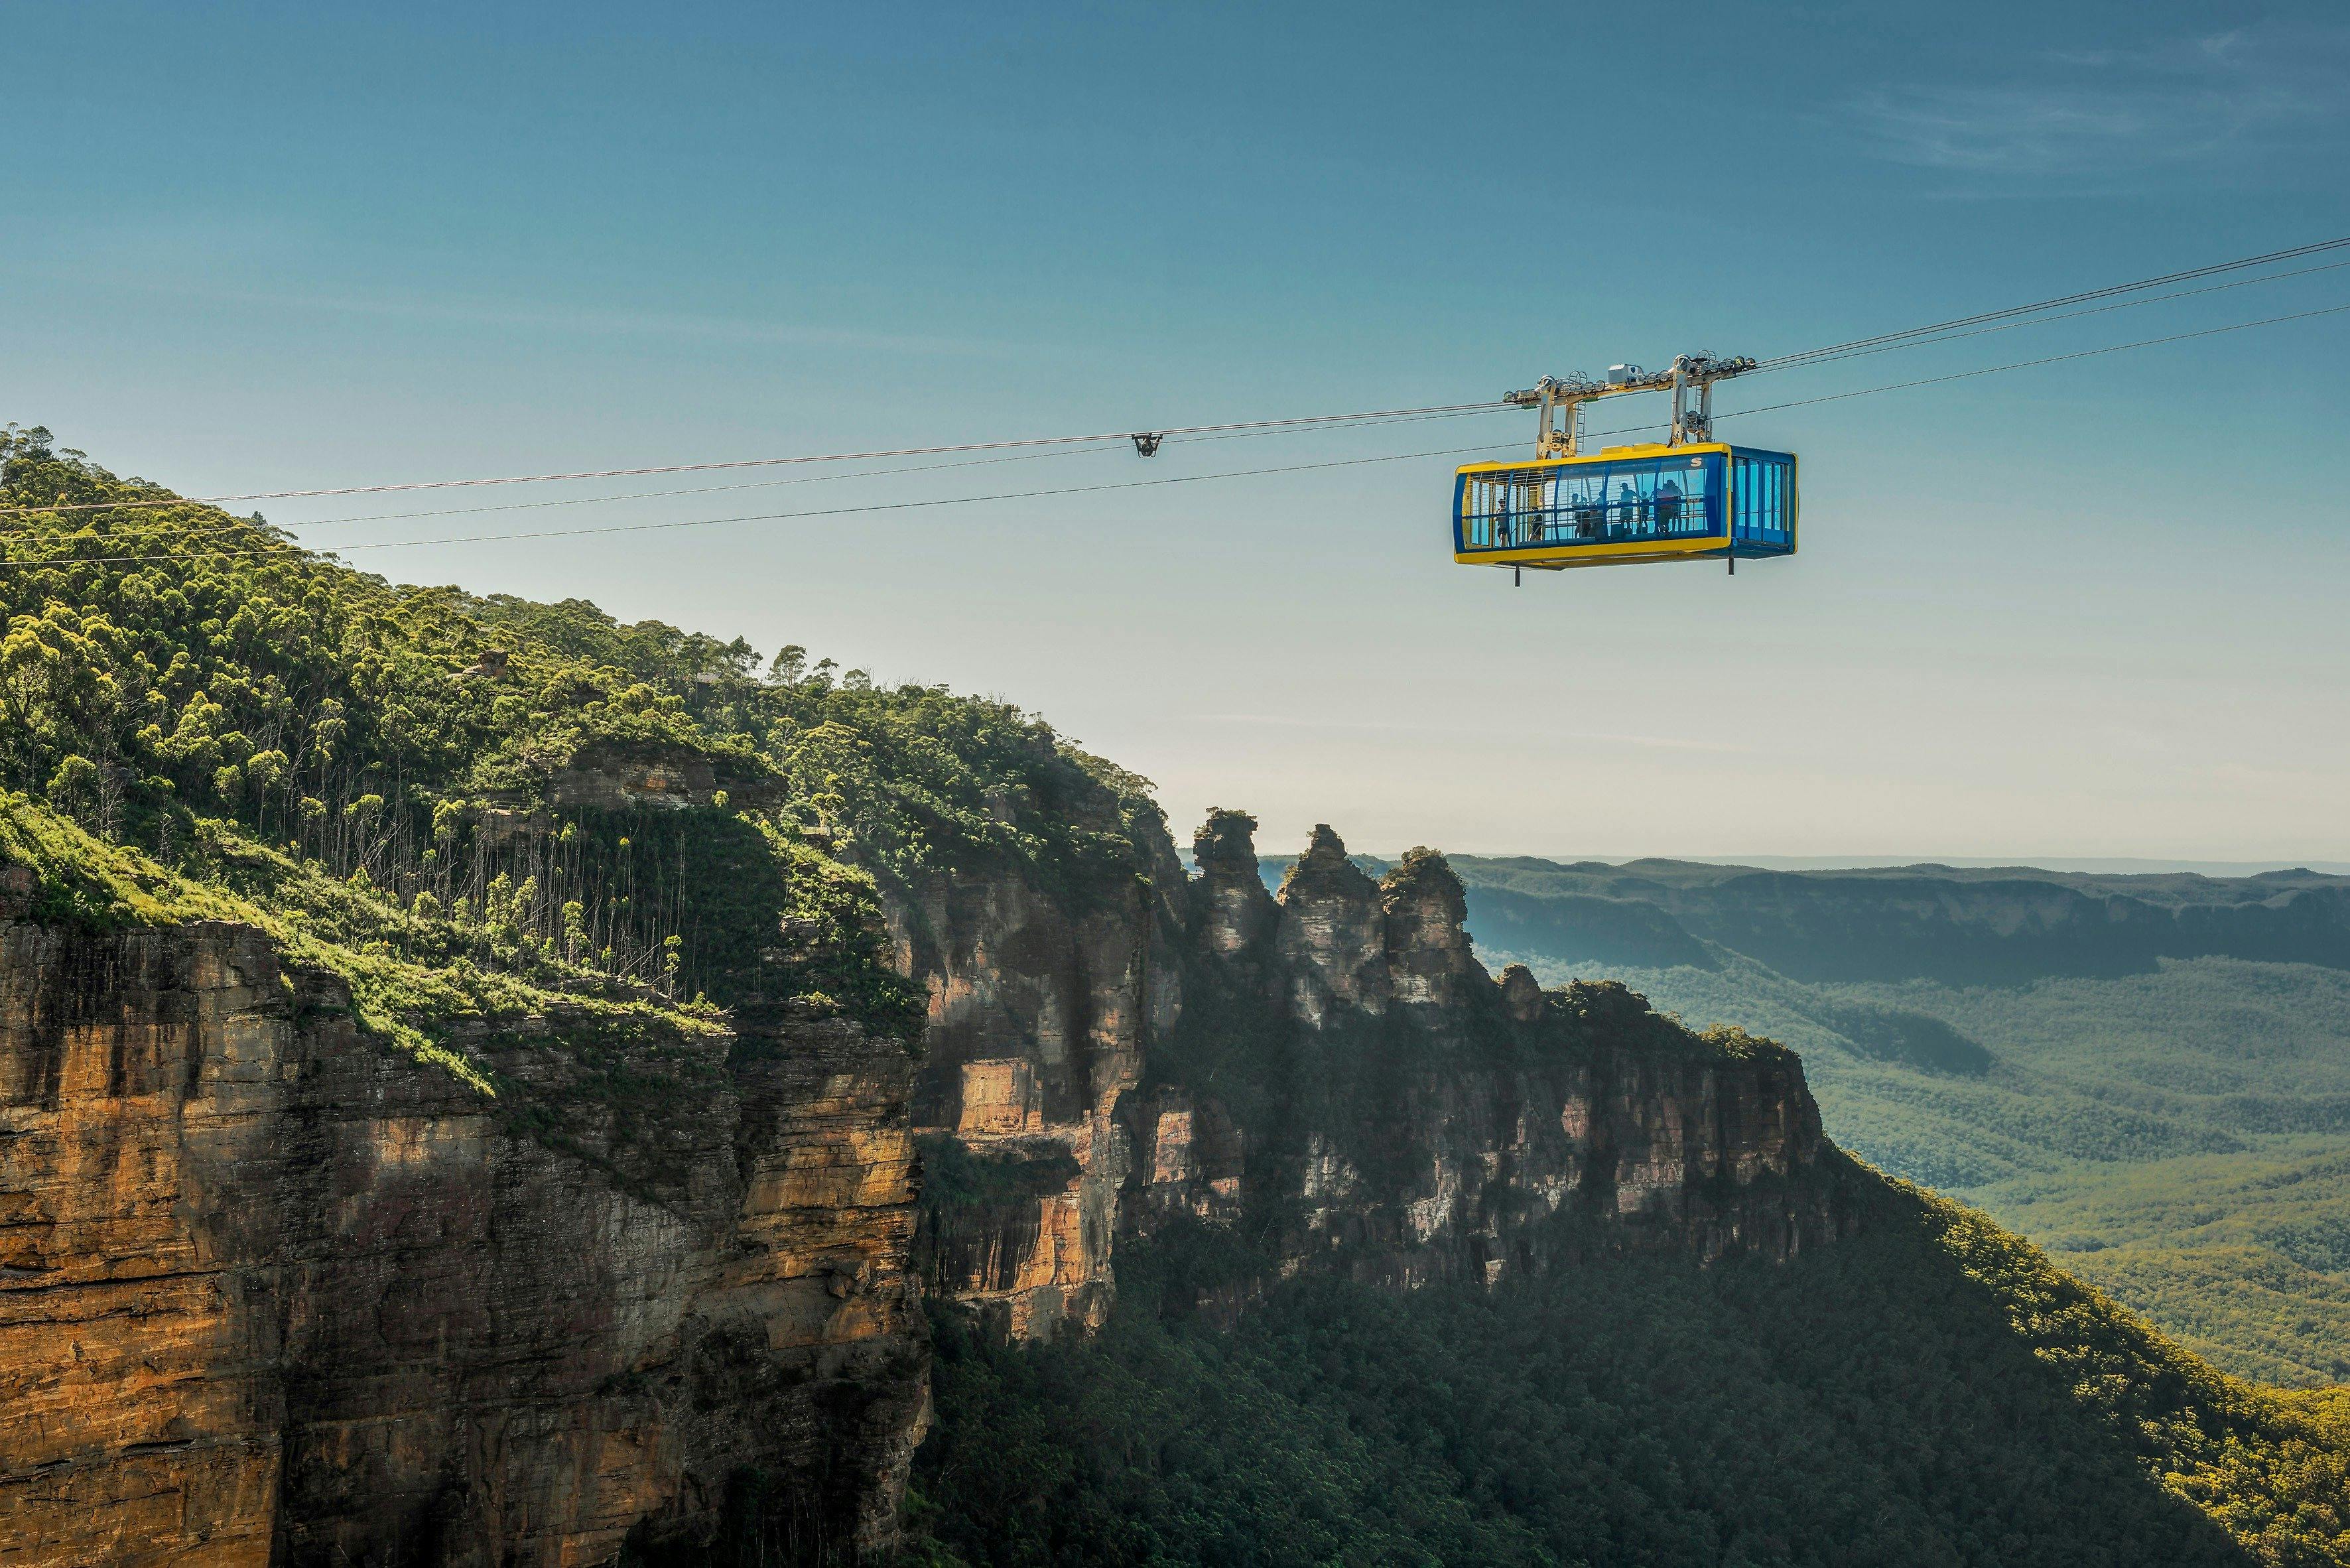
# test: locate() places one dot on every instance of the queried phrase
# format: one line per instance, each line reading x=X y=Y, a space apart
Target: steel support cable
x=2028 y=364
x=287 y=548
x=667 y=495
x=1363 y=417
x=1370 y=416
x=1120 y=445
x=2041 y=320
x=232 y=522
x=2268 y=258
x=1996 y=369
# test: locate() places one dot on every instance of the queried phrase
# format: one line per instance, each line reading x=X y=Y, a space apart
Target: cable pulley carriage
x=1686 y=498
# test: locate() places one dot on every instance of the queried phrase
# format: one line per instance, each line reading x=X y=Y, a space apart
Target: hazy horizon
x=2115 y=865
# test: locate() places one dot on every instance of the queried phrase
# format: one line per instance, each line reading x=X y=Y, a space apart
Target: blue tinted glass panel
x=1593 y=503
x=1763 y=500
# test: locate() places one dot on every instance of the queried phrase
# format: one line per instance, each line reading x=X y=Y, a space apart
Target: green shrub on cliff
x=409 y=980
x=70 y=877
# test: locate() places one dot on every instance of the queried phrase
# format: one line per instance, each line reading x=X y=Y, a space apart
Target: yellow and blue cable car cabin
x=1687 y=498
x=1628 y=504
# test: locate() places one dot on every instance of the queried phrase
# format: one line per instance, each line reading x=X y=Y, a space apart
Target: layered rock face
x=271 y=1291
x=1332 y=935
x=1040 y=1003
x=1332 y=1073
x=1406 y=1117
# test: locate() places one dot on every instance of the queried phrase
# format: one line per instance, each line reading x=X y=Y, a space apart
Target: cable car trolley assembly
x=1691 y=498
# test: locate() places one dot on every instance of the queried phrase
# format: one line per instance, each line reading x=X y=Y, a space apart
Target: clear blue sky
x=2088 y=611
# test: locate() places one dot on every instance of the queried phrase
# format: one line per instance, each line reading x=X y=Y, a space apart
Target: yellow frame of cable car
x=1553 y=557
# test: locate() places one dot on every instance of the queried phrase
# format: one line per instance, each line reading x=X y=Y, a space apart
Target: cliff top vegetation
x=485 y=786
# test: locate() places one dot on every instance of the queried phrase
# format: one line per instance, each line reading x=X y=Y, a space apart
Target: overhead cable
x=2041 y=320
x=1367 y=416
x=1119 y=445
x=2237 y=265
x=288 y=546
x=2027 y=364
x=1962 y=327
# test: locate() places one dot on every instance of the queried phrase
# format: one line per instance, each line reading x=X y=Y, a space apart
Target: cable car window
x=1593 y=502
x=1762 y=486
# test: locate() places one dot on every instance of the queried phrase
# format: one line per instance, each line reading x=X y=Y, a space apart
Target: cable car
x=1687 y=498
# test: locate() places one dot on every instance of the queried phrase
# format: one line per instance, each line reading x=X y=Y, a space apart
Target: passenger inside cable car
x=1626 y=505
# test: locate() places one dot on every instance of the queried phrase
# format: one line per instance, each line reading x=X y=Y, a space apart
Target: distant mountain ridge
x=2090 y=866
x=2147 y=1072
x=1959 y=924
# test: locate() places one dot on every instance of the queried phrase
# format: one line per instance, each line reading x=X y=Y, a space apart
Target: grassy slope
x=360 y=935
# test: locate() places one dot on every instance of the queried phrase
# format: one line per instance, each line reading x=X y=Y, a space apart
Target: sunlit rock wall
x=270 y=1291
x=1041 y=1000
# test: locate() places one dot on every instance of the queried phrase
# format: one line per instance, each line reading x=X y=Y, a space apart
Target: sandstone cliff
x=1042 y=997
x=1330 y=1074
x=271 y=1291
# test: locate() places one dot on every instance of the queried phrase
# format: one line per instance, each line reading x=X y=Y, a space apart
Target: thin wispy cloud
x=221 y=261
x=2110 y=116
x=1403 y=727
x=579 y=321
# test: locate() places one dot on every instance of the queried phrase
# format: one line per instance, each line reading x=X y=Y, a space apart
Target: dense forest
x=1930 y=1391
